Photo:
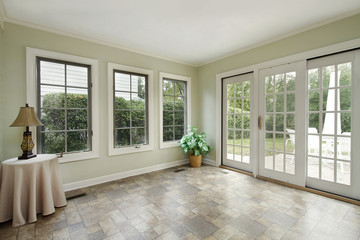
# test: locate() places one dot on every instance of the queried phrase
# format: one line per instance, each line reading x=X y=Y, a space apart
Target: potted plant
x=193 y=143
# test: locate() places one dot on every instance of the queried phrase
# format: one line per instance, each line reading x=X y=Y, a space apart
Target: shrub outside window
x=130 y=109
x=174 y=108
x=64 y=103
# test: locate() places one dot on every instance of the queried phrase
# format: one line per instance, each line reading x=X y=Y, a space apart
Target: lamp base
x=26 y=156
x=27 y=146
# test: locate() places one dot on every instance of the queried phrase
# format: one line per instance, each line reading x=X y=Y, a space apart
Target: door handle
x=259 y=122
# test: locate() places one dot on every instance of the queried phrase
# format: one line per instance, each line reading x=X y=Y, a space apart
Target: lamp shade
x=26 y=117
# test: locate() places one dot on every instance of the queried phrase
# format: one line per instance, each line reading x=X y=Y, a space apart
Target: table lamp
x=26 y=117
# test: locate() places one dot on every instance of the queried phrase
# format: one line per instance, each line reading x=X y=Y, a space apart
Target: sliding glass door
x=333 y=121
x=237 y=122
x=308 y=123
x=281 y=144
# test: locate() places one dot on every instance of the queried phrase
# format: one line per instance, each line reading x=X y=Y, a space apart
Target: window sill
x=73 y=157
x=129 y=150
x=171 y=144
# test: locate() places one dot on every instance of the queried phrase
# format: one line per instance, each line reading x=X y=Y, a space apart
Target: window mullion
x=65 y=105
x=173 y=116
x=131 y=111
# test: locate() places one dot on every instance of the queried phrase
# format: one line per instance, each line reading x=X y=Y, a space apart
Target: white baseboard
x=210 y=162
x=116 y=176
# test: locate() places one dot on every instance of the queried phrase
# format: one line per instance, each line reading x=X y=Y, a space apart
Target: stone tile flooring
x=197 y=203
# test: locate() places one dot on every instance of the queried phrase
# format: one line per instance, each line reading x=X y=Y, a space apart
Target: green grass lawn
x=279 y=146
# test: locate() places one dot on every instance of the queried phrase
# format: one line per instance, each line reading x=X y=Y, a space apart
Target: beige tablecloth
x=28 y=187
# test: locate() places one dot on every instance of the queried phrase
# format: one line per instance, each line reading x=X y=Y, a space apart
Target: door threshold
x=306 y=189
x=237 y=170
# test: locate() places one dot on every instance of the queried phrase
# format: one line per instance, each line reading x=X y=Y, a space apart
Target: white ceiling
x=189 y=31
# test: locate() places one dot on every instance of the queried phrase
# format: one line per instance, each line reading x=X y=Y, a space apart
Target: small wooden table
x=28 y=187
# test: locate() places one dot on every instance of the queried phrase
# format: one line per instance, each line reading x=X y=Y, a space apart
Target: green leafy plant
x=194 y=142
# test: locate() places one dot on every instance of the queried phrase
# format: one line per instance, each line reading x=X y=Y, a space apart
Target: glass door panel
x=278 y=97
x=236 y=121
x=331 y=164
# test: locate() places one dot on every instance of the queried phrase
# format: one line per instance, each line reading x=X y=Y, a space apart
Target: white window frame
x=31 y=96
x=112 y=151
x=162 y=76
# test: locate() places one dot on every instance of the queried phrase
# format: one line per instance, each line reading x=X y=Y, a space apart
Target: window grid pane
x=174 y=109
x=238 y=117
x=130 y=109
x=329 y=121
x=280 y=100
x=64 y=103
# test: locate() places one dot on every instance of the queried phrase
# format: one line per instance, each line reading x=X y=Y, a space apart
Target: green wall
x=340 y=31
x=16 y=38
x=12 y=85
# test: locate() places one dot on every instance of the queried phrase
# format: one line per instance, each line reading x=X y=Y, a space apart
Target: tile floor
x=197 y=203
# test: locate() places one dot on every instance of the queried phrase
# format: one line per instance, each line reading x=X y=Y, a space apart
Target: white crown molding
x=116 y=176
x=286 y=35
x=89 y=39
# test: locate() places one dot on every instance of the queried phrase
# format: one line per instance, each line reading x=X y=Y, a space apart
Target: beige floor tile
x=61 y=234
x=79 y=235
x=241 y=236
x=197 y=203
x=290 y=235
x=108 y=227
x=161 y=229
x=72 y=217
x=116 y=236
x=93 y=228
x=305 y=225
x=211 y=237
x=263 y=237
x=275 y=231
x=168 y=236
x=225 y=232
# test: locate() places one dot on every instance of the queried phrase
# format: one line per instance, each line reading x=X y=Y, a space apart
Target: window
x=174 y=108
x=64 y=106
x=130 y=109
x=130 y=103
x=62 y=89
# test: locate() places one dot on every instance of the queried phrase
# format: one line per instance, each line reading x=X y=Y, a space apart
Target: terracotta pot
x=195 y=161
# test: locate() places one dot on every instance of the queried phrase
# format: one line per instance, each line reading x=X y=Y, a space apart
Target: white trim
x=116 y=176
x=163 y=75
x=31 y=95
x=209 y=162
x=355 y=43
x=335 y=48
x=218 y=119
x=254 y=137
x=131 y=149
